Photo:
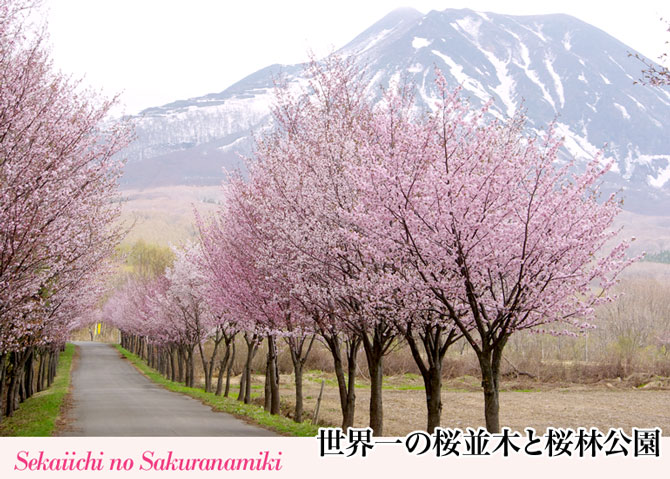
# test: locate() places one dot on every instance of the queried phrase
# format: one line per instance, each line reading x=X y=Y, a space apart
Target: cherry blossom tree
x=236 y=248
x=308 y=200
x=58 y=175
x=502 y=237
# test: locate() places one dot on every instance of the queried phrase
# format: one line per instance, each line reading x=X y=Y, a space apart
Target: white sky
x=157 y=51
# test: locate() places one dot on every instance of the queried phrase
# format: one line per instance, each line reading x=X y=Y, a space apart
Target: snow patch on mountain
x=470 y=26
x=580 y=147
x=639 y=105
x=418 y=42
x=532 y=74
x=464 y=80
x=375 y=40
x=558 y=84
x=505 y=88
x=623 y=110
x=663 y=175
x=567 y=44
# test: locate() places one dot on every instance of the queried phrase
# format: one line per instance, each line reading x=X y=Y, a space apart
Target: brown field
x=165 y=215
x=608 y=404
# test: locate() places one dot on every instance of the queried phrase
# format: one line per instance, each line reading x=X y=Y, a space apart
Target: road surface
x=111 y=398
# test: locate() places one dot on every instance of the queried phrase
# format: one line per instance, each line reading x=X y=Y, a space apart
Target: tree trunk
x=222 y=369
x=52 y=355
x=245 y=382
x=53 y=366
x=272 y=378
x=435 y=345
x=29 y=375
x=489 y=363
x=190 y=365
x=345 y=384
x=298 y=358
x=433 y=384
x=297 y=414
x=209 y=373
x=173 y=364
x=376 y=344
x=229 y=370
x=180 y=365
x=40 y=373
x=17 y=390
x=3 y=368
x=45 y=367
x=375 y=367
x=432 y=377
x=267 y=390
x=205 y=368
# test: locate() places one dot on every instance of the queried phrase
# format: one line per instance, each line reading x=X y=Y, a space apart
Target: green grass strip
x=37 y=415
x=257 y=414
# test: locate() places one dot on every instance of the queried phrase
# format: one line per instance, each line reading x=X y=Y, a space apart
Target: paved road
x=111 y=398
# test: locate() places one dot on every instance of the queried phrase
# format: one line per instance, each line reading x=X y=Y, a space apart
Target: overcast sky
x=157 y=51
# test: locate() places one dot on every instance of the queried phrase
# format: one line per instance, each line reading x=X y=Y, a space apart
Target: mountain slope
x=557 y=67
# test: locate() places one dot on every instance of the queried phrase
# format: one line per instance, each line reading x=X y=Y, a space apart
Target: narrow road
x=111 y=398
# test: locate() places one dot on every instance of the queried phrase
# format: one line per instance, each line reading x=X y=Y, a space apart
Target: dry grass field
x=165 y=215
x=607 y=404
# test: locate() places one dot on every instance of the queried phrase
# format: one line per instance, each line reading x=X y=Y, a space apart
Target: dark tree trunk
x=252 y=341
x=276 y=405
x=222 y=369
x=50 y=367
x=345 y=384
x=435 y=344
x=205 y=368
x=173 y=364
x=352 y=347
x=229 y=370
x=243 y=384
x=375 y=367
x=376 y=344
x=45 y=366
x=299 y=356
x=272 y=378
x=3 y=368
x=12 y=389
x=299 y=406
x=267 y=389
x=190 y=366
x=10 y=403
x=55 y=357
x=40 y=373
x=29 y=375
x=187 y=369
x=209 y=372
x=489 y=363
x=180 y=365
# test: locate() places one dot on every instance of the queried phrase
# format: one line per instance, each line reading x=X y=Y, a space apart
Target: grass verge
x=256 y=414
x=37 y=415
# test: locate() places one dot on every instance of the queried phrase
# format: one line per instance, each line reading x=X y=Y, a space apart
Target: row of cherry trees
x=367 y=223
x=57 y=183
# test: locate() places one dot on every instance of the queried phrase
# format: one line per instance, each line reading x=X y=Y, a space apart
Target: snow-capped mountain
x=558 y=67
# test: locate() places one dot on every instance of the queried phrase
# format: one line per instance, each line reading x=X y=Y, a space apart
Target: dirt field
x=614 y=404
